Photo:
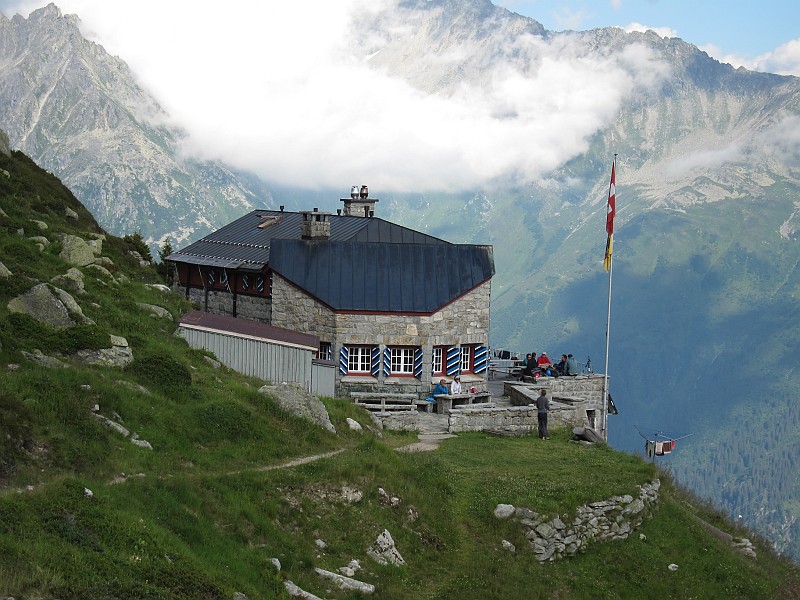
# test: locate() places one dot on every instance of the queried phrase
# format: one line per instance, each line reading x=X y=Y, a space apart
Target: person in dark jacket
x=542 y=406
x=572 y=366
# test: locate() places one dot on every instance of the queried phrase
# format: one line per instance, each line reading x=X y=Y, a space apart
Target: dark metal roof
x=367 y=264
x=247 y=239
x=407 y=278
x=244 y=328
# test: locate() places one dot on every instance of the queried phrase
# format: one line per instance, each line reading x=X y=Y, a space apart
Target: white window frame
x=466 y=359
x=325 y=351
x=359 y=359
x=401 y=360
x=437 y=360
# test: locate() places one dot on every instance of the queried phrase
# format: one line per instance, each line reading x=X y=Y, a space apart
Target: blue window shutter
x=224 y=278
x=387 y=362
x=260 y=283
x=481 y=359
x=375 y=362
x=344 y=359
x=453 y=365
x=245 y=282
x=211 y=278
x=418 y=363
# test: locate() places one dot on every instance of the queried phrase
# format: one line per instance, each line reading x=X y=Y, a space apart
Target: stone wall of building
x=464 y=321
x=219 y=302
x=296 y=310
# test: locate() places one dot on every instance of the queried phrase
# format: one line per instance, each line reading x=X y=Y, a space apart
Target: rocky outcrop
x=49 y=305
x=4 y=147
x=384 y=552
x=4 y=272
x=612 y=519
x=118 y=355
x=71 y=280
x=295 y=400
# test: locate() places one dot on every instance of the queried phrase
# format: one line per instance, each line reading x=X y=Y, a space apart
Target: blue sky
x=738 y=31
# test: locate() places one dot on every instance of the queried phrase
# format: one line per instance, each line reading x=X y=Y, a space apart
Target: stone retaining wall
x=612 y=519
x=521 y=419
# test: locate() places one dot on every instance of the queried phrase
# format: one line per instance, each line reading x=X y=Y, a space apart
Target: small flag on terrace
x=612 y=210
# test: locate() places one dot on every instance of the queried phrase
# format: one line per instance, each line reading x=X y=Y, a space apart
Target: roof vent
x=359 y=204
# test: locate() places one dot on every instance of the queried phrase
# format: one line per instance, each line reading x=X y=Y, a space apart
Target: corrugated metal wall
x=323 y=379
x=266 y=360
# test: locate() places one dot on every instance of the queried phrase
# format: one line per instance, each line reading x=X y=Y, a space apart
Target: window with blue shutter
x=453 y=365
x=480 y=361
x=344 y=360
x=418 y=363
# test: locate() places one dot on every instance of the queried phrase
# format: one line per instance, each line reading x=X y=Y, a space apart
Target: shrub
x=165 y=372
x=137 y=243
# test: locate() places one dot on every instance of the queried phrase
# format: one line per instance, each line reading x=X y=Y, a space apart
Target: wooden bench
x=384 y=401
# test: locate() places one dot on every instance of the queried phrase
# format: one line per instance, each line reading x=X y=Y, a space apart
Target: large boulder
x=294 y=399
x=71 y=280
x=49 y=305
x=76 y=251
x=4 y=272
x=118 y=355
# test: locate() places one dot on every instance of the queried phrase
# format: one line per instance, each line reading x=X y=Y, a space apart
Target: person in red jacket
x=543 y=361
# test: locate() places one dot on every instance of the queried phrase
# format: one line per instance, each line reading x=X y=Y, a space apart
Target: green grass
x=202 y=514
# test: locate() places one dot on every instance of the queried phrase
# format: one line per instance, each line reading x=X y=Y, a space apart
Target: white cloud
x=266 y=87
x=784 y=60
x=665 y=32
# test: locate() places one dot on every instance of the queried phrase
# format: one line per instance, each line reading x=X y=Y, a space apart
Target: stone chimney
x=359 y=204
x=315 y=225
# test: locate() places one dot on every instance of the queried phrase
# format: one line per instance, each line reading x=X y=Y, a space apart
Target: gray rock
x=4 y=272
x=384 y=551
x=239 y=596
x=158 y=286
x=72 y=306
x=76 y=251
x=156 y=311
x=45 y=361
x=346 y=583
x=69 y=213
x=506 y=545
x=276 y=562
x=354 y=425
x=214 y=363
x=104 y=261
x=111 y=424
x=41 y=303
x=100 y=269
x=40 y=240
x=503 y=511
x=119 y=355
x=71 y=280
x=39 y=224
x=295 y=400
x=296 y=592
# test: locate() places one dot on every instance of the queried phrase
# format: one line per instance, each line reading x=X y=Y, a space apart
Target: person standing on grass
x=542 y=406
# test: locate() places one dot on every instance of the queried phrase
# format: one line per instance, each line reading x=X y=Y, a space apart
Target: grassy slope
x=200 y=516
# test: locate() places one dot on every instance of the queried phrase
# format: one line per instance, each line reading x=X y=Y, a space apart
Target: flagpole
x=604 y=405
